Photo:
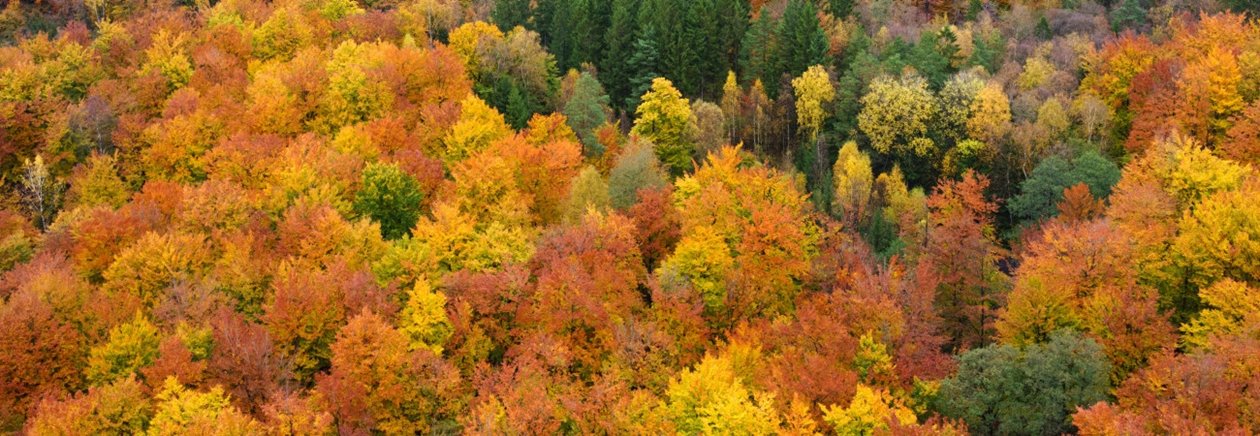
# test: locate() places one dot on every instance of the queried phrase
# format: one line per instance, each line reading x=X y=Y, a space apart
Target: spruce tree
x=615 y=69
x=642 y=66
x=803 y=42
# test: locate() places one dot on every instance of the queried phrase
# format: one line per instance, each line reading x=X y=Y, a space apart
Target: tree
x=179 y=410
x=131 y=346
x=853 y=184
x=813 y=93
x=711 y=398
x=1200 y=392
x=588 y=192
x=962 y=253
x=1210 y=92
x=479 y=125
x=1231 y=307
x=762 y=221
x=1216 y=240
x=1042 y=191
x=759 y=52
x=1242 y=143
x=97 y=182
x=870 y=411
x=587 y=289
x=585 y=112
x=1129 y=16
x=40 y=191
x=147 y=268
x=957 y=99
x=801 y=40
x=351 y=96
x=732 y=94
x=620 y=44
x=1001 y=389
x=511 y=13
x=376 y=384
x=118 y=408
x=390 y=197
x=1075 y=276
x=665 y=118
x=423 y=318
x=896 y=114
x=644 y=66
x=990 y=118
x=43 y=355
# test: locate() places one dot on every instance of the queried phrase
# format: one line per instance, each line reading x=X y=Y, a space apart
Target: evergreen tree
x=642 y=66
x=841 y=8
x=585 y=112
x=1043 y=29
x=757 y=52
x=929 y=61
x=732 y=21
x=987 y=51
x=1129 y=15
x=700 y=66
x=803 y=42
x=511 y=13
x=615 y=68
x=974 y=8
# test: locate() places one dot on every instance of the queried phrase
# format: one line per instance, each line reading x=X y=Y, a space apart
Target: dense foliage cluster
x=629 y=217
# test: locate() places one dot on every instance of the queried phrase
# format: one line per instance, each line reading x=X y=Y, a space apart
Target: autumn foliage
x=846 y=217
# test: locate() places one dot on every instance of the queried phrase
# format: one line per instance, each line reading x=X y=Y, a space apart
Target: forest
x=744 y=217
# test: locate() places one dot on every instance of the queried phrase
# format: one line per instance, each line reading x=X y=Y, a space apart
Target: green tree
x=758 y=55
x=585 y=112
x=511 y=13
x=619 y=46
x=1001 y=389
x=802 y=41
x=1042 y=192
x=390 y=197
x=643 y=67
x=636 y=169
x=1130 y=15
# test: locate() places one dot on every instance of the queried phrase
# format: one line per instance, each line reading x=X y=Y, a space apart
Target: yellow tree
x=712 y=399
x=813 y=92
x=665 y=118
x=896 y=113
x=479 y=125
x=423 y=319
x=870 y=412
x=1231 y=307
x=732 y=95
x=853 y=182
